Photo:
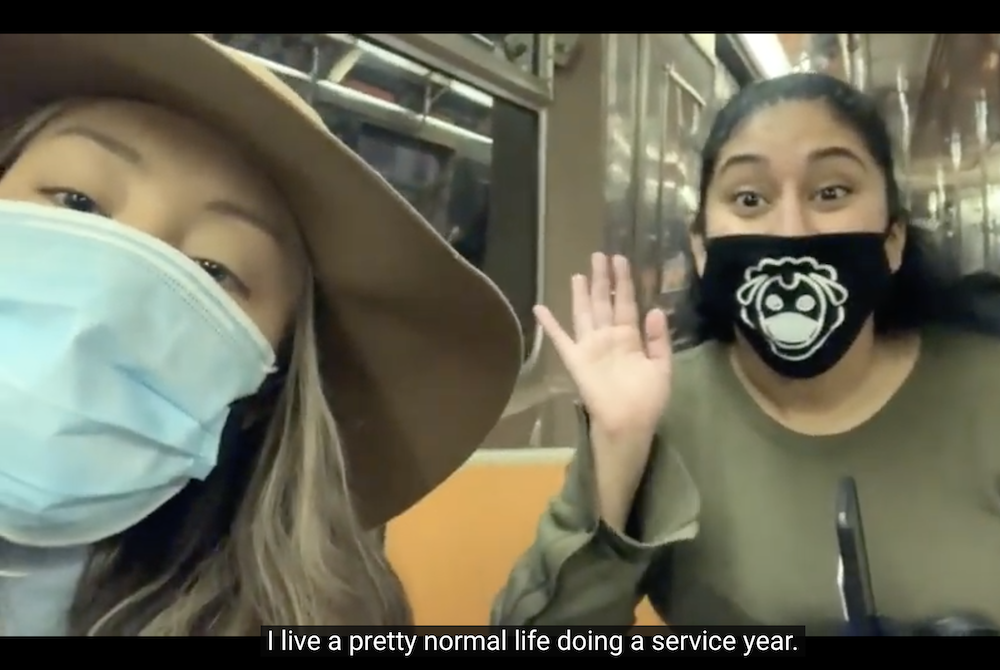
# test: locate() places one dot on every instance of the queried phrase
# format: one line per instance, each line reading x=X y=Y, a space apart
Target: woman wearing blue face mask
x=228 y=350
x=831 y=345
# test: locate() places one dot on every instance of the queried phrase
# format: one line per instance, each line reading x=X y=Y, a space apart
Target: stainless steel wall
x=940 y=94
x=660 y=89
x=623 y=131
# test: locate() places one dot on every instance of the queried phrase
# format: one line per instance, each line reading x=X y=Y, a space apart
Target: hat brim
x=419 y=350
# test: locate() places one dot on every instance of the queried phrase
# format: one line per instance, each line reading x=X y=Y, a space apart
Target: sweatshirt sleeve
x=580 y=571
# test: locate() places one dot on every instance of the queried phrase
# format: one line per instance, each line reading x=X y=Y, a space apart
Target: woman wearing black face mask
x=832 y=345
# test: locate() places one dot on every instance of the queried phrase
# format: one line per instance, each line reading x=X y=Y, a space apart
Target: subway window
x=467 y=160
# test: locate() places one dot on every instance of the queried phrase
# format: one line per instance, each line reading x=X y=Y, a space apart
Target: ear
x=698 y=252
x=895 y=243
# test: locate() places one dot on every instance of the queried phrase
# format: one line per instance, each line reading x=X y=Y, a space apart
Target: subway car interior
x=529 y=151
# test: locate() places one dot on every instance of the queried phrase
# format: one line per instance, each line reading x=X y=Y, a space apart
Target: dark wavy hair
x=924 y=290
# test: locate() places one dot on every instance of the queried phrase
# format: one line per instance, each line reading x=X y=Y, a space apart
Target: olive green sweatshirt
x=734 y=520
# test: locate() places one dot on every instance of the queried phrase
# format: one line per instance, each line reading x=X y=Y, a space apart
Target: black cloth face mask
x=799 y=301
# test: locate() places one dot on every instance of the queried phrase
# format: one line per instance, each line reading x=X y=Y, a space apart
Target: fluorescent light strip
x=360 y=96
x=766 y=50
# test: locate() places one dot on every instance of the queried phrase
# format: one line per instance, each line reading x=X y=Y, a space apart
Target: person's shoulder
x=965 y=352
x=965 y=365
x=952 y=336
x=968 y=371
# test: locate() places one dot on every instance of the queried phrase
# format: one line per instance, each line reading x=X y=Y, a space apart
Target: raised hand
x=623 y=379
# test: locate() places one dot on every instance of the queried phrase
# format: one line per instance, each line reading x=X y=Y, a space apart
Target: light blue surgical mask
x=119 y=360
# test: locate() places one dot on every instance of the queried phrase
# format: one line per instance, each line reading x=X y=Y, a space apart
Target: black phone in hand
x=855 y=578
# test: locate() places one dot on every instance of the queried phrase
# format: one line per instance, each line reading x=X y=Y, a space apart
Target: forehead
x=142 y=123
x=160 y=139
x=788 y=132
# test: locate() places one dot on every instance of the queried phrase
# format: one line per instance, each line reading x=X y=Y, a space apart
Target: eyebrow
x=228 y=208
x=132 y=155
x=106 y=142
x=814 y=156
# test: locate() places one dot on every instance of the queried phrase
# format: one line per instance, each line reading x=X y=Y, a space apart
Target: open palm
x=624 y=381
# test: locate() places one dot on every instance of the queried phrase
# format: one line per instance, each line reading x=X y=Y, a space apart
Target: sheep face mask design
x=800 y=302
x=795 y=303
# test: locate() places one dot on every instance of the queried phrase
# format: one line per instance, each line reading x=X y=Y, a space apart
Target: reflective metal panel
x=623 y=62
x=657 y=91
x=950 y=156
x=688 y=81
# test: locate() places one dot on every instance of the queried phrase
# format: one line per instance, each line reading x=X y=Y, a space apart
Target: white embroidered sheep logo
x=795 y=303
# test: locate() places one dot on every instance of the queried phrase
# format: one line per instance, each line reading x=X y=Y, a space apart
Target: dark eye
x=80 y=202
x=748 y=199
x=832 y=193
x=226 y=278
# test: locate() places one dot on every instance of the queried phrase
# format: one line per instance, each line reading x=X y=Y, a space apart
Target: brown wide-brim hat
x=420 y=351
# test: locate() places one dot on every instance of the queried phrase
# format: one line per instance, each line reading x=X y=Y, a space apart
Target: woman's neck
x=848 y=394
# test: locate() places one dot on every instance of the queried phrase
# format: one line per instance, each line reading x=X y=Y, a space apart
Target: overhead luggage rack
x=465 y=57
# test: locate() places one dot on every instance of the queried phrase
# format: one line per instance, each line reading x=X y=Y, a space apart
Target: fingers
x=583 y=319
x=560 y=338
x=593 y=304
x=657 y=336
x=600 y=291
x=626 y=312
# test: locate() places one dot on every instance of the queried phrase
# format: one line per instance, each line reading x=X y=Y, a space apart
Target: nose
x=793 y=216
x=156 y=219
